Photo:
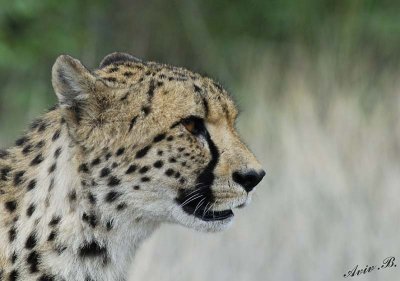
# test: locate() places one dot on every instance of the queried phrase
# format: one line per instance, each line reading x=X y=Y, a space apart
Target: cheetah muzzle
x=130 y=145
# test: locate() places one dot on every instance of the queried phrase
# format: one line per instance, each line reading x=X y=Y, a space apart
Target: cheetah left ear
x=116 y=58
x=72 y=82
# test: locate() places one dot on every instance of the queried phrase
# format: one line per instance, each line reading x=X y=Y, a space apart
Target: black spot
x=177 y=175
x=172 y=160
x=4 y=173
x=93 y=249
x=31 y=241
x=114 y=165
x=145 y=179
x=128 y=74
x=54 y=221
x=60 y=249
x=83 y=168
x=30 y=210
x=170 y=138
x=132 y=123
x=21 y=141
x=113 y=181
x=108 y=155
x=37 y=160
x=150 y=92
x=36 y=123
x=72 y=195
x=13 y=275
x=120 y=151
x=91 y=219
x=131 y=169
x=52 y=168
x=56 y=135
x=169 y=172
x=141 y=153
x=52 y=235
x=18 y=177
x=197 y=89
x=51 y=184
x=57 y=152
x=159 y=138
x=11 y=206
x=144 y=169
x=109 y=225
x=27 y=149
x=158 y=164
x=146 y=110
x=3 y=153
x=105 y=172
x=33 y=260
x=42 y=127
x=12 y=233
x=112 y=196
x=113 y=69
x=206 y=107
x=111 y=79
x=92 y=198
x=95 y=162
x=136 y=187
x=121 y=207
x=46 y=277
x=13 y=257
x=40 y=144
x=160 y=153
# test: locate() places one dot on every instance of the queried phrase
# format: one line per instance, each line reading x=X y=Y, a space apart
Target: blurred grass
x=317 y=82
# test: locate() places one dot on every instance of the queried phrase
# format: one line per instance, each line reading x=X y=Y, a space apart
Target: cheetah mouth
x=206 y=214
x=200 y=205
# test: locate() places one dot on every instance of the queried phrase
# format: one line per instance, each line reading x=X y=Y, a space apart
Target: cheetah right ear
x=72 y=82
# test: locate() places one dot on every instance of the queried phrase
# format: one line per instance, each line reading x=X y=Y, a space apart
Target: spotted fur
x=129 y=146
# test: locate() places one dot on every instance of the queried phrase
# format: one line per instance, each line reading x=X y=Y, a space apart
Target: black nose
x=248 y=179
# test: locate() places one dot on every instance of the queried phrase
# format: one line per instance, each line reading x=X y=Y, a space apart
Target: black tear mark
x=207 y=176
x=132 y=123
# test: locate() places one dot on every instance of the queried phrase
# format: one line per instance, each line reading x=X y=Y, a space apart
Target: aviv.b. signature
x=357 y=271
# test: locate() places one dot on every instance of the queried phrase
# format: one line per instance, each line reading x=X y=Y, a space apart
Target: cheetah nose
x=248 y=179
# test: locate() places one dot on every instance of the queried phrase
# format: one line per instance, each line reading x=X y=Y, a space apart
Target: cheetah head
x=160 y=139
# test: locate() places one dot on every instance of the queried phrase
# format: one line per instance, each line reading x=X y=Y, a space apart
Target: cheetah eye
x=194 y=125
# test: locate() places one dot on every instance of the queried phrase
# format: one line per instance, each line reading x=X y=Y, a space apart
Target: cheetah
x=129 y=146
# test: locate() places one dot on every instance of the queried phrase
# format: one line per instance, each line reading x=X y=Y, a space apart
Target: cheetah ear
x=72 y=82
x=117 y=57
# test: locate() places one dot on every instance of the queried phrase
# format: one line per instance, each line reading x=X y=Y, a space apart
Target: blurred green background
x=318 y=84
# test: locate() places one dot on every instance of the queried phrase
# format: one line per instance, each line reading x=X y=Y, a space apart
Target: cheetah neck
x=60 y=228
